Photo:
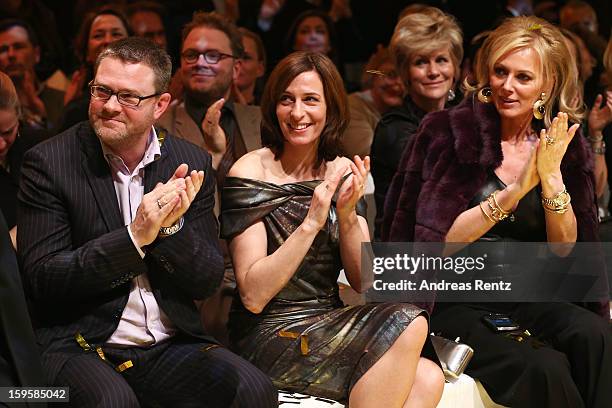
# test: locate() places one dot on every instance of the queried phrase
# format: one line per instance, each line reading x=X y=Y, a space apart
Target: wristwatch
x=559 y=201
x=173 y=229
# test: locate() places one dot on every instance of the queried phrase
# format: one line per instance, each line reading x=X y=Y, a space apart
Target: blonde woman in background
x=427 y=47
x=16 y=137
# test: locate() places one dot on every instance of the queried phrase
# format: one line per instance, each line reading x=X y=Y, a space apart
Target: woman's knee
x=429 y=377
x=414 y=336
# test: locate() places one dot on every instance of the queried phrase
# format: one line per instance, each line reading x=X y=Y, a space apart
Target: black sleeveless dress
x=305 y=339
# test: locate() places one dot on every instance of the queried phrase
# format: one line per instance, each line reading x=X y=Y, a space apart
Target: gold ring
x=549 y=141
x=159 y=204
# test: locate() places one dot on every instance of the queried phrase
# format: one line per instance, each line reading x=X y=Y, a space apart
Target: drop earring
x=538 y=107
x=484 y=95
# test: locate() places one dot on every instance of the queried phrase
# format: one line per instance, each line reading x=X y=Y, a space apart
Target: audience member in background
x=382 y=89
x=289 y=240
x=427 y=48
x=271 y=19
x=44 y=22
x=252 y=68
x=478 y=172
x=314 y=31
x=580 y=17
x=599 y=115
x=99 y=28
x=41 y=104
x=607 y=132
x=16 y=137
x=578 y=13
x=584 y=60
x=209 y=118
x=146 y=20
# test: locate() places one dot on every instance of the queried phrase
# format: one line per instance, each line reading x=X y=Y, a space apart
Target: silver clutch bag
x=454 y=356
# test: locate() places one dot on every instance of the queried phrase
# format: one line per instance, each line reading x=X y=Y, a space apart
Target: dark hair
x=337 y=118
x=8 y=23
x=331 y=32
x=82 y=38
x=218 y=22
x=145 y=5
x=135 y=50
x=261 y=50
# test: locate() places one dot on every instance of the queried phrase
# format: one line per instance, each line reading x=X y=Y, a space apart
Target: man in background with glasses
x=117 y=238
x=208 y=116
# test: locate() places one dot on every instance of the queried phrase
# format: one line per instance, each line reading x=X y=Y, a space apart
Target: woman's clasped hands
x=350 y=191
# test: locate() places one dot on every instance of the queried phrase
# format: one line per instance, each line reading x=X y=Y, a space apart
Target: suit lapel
x=186 y=128
x=154 y=172
x=100 y=179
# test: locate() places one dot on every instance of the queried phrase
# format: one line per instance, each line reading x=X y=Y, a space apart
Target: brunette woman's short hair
x=335 y=99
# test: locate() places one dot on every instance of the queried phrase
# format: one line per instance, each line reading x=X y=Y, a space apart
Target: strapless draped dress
x=305 y=339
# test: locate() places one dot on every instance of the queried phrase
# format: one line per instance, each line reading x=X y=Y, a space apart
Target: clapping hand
x=29 y=95
x=321 y=200
x=353 y=187
x=600 y=116
x=214 y=135
x=165 y=204
x=553 y=145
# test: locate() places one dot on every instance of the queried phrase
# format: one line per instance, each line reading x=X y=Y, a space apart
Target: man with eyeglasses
x=117 y=238
x=207 y=116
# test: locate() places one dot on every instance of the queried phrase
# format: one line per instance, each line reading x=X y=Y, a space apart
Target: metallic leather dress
x=305 y=339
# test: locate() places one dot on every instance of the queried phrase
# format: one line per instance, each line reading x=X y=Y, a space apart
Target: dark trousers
x=566 y=363
x=173 y=374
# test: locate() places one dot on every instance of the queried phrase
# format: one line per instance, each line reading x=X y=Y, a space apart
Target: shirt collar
x=152 y=152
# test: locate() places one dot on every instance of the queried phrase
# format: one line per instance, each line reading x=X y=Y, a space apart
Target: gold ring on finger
x=550 y=141
x=159 y=204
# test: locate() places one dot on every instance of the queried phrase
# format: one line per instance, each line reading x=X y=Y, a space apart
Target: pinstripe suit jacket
x=76 y=254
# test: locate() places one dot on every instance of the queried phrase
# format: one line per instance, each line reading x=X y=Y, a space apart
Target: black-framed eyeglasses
x=125 y=98
x=211 y=56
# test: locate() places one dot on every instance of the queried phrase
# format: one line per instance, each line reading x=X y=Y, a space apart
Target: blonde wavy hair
x=424 y=32
x=559 y=76
x=9 y=100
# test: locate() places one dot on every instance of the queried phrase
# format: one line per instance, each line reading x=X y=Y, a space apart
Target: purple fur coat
x=448 y=162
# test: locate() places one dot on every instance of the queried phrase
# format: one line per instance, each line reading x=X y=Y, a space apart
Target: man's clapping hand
x=165 y=204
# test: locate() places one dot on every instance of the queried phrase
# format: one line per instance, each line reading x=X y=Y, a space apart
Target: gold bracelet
x=497 y=213
x=559 y=203
x=484 y=212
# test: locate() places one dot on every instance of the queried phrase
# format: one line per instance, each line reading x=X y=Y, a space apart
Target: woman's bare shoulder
x=252 y=165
